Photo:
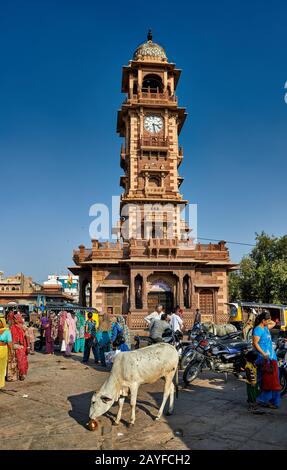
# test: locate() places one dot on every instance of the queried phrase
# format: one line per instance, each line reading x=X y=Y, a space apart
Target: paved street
x=50 y=410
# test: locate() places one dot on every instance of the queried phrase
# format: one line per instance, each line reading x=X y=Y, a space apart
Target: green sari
x=80 y=333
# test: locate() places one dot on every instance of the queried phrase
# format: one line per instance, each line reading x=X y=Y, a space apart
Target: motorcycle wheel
x=191 y=371
x=185 y=360
x=283 y=380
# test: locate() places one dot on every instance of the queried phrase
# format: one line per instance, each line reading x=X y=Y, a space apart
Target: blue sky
x=60 y=88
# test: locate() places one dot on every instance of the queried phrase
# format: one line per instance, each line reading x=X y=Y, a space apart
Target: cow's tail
x=176 y=382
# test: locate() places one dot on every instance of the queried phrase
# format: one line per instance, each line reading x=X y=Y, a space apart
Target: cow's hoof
x=169 y=413
x=130 y=425
x=115 y=423
x=157 y=418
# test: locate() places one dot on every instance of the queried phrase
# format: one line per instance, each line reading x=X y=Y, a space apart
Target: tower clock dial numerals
x=153 y=124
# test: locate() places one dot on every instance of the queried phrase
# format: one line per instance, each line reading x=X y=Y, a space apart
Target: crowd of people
x=159 y=321
x=71 y=331
x=262 y=373
x=74 y=332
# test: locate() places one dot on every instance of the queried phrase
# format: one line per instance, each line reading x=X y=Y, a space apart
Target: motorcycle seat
x=240 y=346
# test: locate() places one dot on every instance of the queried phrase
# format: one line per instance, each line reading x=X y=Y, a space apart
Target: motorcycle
x=196 y=335
x=217 y=356
x=281 y=353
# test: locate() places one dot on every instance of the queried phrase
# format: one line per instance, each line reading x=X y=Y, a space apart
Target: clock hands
x=153 y=124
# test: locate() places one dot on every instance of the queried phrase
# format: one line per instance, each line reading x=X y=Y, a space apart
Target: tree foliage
x=262 y=275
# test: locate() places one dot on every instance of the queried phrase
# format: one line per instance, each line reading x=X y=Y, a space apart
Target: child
x=31 y=337
x=251 y=380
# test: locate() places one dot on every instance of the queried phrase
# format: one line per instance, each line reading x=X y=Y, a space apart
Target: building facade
x=68 y=283
x=155 y=259
x=22 y=291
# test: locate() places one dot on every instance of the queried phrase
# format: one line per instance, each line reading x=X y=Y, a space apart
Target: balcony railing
x=81 y=255
x=152 y=95
x=153 y=141
x=107 y=250
x=149 y=190
x=152 y=248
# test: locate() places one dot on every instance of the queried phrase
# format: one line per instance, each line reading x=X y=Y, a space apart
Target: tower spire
x=149 y=35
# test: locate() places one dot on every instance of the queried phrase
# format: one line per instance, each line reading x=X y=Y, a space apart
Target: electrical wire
x=227 y=241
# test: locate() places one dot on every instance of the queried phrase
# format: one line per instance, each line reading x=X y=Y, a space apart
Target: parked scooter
x=281 y=353
x=217 y=356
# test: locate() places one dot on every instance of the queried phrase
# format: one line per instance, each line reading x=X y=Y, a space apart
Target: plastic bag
x=110 y=356
x=270 y=377
x=63 y=346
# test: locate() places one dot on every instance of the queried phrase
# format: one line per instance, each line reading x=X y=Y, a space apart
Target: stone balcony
x=152 y=96
x=107 y=250
x=154 y=248
x=153 y=142
x=179 y=249
x=151 y=190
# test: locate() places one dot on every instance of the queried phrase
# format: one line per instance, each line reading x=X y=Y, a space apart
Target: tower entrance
x=163 y=298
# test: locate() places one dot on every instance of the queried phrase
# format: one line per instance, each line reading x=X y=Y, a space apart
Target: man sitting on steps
x=158 y=326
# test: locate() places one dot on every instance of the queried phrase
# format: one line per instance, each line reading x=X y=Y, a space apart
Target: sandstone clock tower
x=154 y=259
x=150 y=121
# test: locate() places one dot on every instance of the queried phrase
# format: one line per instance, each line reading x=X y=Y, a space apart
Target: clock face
x=153 y=124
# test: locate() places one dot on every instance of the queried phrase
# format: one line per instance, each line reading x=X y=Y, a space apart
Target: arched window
x=154 y=182
x=153 y=83
x=86 y=294
x=138 y=291
x=186 y=291
x=135 y=88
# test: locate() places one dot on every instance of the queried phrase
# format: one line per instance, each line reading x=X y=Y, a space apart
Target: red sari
x=18 y=337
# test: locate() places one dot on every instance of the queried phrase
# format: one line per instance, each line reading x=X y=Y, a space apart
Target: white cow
x=219 y=329
x=132 y=369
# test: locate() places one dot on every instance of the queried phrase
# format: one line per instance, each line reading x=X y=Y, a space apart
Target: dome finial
x=149 y=35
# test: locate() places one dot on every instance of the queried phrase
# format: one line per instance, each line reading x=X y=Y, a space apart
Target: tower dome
x=150 y=50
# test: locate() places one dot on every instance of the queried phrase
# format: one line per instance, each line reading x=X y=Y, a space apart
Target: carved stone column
x=215 y=306
x=180 y=294
x=144 y=291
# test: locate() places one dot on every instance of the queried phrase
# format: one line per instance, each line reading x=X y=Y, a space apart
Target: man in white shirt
x=176 y=321
x=156 y=315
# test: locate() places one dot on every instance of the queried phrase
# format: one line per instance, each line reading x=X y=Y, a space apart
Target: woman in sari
x=104 y=333
x=70 y=333
x=263 y=344
x=18 y=359
x=118 y=335
x=79 y=345
x=63 y=316
x=51 y=333
x=10 y=318
x=5 y=347
x=126 y=333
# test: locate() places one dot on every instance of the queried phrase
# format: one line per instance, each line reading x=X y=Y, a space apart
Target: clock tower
x=150 y=122
x=154 y=260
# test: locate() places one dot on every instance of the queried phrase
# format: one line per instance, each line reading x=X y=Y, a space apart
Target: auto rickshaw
x=240 y=312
